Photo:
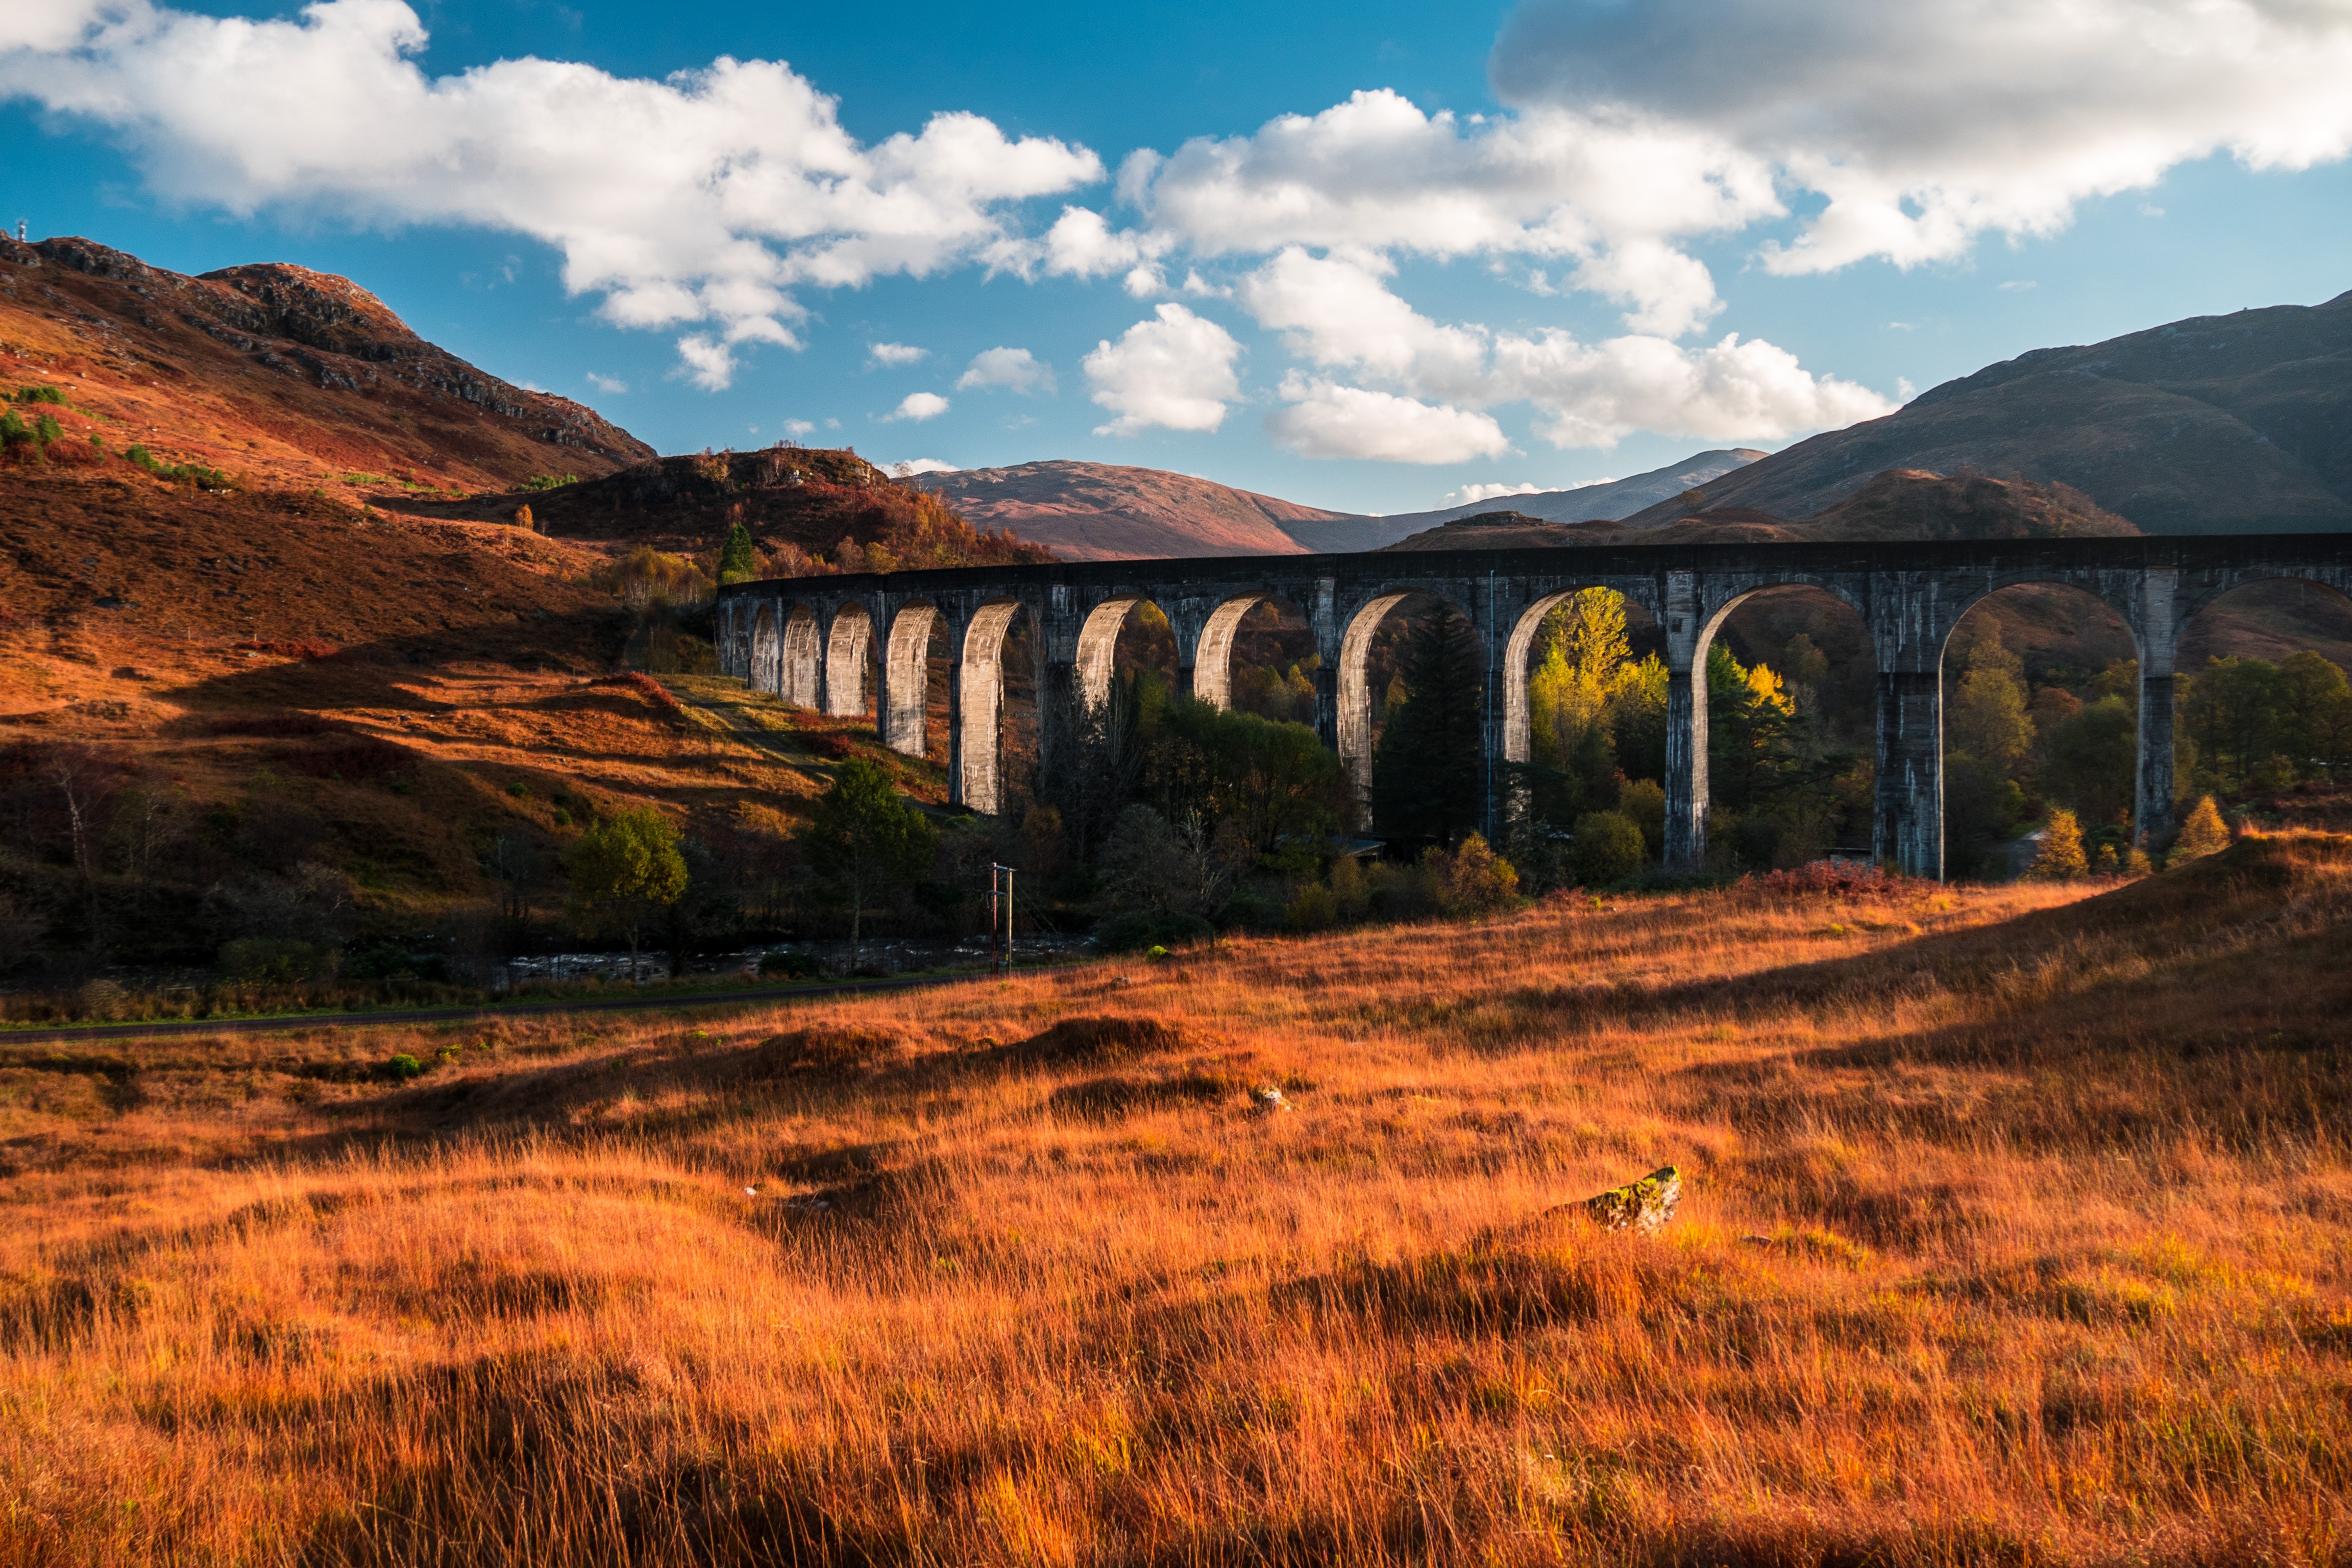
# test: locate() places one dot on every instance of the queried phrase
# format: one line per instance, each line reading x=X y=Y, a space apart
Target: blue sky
x=1536 y=245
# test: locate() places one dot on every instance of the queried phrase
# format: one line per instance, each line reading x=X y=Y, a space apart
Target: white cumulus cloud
x=703 y=198
x=1468 y=494
x=1327 y=420
x=1011 y=370
x=913 y=465
x=612 y=384
x=1593 y=395
x=1927 y=125
x=1175 y=371
x=918 y=407
x=796 y=428
x=895 y=354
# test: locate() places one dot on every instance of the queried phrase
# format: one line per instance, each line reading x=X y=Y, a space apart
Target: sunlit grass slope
x=2015 y=1231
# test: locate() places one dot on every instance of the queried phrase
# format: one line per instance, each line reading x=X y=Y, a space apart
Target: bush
x=51 y=395
x=1145 y=929
x=1644 y=800
x=548 y=482
x=790 y=966
x=1608 y=847
x=1475 y=878
x=1313 y=910
x=274 y=961
x=405 y=1067
x=2203 y=834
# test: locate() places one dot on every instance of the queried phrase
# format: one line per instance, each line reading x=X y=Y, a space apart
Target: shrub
x=548 y=482
x=1607 y=847
x=1314 y=909
x=1150 y=928
x=274 y=961
x=1477 y=881
x=51 y=395
x=405 y=1067
x=194 y=473
x=790 y=966
x=1644 y=801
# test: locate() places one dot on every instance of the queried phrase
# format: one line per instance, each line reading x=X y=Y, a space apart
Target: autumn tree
x=2062 y=858
x=866 y=841
x=626 y=870
x=2203 y=834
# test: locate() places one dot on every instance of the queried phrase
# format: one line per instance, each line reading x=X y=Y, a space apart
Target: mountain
x=277 y=375
x=1902 y=503
x=1108 y=511
x=2213 y=425
x=807 y=498
x=1606 y=502
x=1101 y=511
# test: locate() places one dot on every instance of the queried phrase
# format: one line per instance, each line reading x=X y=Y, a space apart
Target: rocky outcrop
x=1642 y=1206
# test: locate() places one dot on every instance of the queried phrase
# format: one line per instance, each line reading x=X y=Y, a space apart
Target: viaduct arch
x=1909 y=595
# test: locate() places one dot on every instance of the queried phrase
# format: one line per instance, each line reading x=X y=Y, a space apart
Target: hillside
x=1899 y=504
x=790 y=498
x=2014 y=1227
x=2214 y=424
x=278 y=377
x=1106 y=512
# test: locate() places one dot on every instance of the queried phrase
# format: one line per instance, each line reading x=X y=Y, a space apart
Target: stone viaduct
x=809 y=641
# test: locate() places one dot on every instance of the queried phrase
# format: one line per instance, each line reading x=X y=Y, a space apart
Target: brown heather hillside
x=2016 y=1228
x=2215 y=425
x=807 y=498
x=285 y=377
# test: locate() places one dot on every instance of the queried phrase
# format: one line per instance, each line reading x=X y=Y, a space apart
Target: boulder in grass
x=1642 y=1205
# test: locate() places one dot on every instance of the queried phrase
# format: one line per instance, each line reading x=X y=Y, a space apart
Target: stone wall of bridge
x=815 y=641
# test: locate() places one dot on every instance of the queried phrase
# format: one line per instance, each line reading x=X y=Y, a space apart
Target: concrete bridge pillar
x=1686 y=802
x=2160 y=645
x=1908 y=833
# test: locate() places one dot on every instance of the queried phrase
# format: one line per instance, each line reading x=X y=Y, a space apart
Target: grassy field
x=2015 y=1231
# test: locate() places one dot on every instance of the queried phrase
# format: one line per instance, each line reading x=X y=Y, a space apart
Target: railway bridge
x=819 y=642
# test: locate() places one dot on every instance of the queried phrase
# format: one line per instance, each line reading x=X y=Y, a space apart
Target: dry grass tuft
x=2016 y=1228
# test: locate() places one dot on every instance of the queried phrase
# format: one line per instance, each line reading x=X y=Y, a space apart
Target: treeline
x=2016 y=749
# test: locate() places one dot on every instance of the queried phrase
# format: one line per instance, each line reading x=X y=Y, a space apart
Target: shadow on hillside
x=372 y=674
x=2214 y=908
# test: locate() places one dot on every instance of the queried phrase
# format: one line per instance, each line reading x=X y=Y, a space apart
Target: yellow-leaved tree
x=2062 y=858
x=2203 y=834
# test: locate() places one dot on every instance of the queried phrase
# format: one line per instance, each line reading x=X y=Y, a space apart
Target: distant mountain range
x=2214 y=424
x=1099 y=511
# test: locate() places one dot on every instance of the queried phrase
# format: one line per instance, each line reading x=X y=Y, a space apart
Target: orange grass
x=2014 y=1231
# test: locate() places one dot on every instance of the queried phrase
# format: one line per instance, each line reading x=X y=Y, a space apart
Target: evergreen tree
x=1427 y=775
x=737 y=562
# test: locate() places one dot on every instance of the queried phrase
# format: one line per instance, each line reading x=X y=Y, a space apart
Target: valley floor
x=2017 y=1228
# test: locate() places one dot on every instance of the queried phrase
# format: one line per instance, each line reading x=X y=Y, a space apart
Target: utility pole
x=999 y=952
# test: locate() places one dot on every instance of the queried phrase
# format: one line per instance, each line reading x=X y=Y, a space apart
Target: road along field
x=2016 y=1227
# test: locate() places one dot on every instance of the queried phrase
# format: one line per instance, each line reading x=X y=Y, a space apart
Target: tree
x=625 y=870
x=2235 y=715
x=1988 y=715
x=2062 y=858
x=2203 y=834
x=1269 y=780
x=2092 y=758
x=738 y=563
x=864 y=840
x=1426 y=770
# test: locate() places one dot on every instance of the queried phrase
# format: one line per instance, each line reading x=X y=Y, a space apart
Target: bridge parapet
x=849 y=642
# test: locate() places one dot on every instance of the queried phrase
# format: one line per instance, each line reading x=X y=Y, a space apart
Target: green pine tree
x=737 y=560
x=1427 y=779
